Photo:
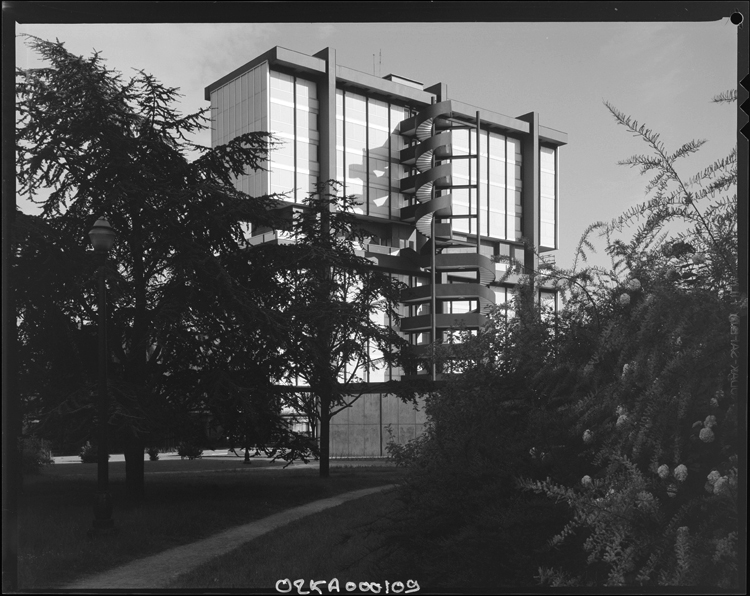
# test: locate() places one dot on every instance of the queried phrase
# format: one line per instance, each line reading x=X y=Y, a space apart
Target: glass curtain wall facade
x=238 y=107
x=263 y=100
x=447 y=192
x=500 y=185
x=293 y=109
x=367 y=152
x=548 y=197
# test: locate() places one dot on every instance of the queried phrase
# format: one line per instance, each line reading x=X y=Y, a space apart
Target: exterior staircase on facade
x=432 y=157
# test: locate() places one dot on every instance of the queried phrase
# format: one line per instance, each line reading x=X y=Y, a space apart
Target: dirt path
x=159 y=570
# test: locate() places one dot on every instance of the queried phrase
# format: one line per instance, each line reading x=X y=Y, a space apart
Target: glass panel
x=340 y=166
x=305 y=91
x=379 y=202
x=460 y=142
x=378 y=141
x=420 y=339
x=281 y=82
x=282 y=181
x=283 y=154
x=356 y=107
x=547 y=209
x=307 y=155
x=378 y=113
x=243 y=85
x=461 y=207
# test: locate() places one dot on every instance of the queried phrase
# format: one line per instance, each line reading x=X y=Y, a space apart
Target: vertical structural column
x=327 y=161
x=531 y=191
x=433 y=298
x=439 y=90
x=479 y=184
x=327 y=116
x=433 y=275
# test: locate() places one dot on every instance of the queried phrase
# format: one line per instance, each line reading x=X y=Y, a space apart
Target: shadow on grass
x=365 y=541
x=188 y=503
x=340 y=544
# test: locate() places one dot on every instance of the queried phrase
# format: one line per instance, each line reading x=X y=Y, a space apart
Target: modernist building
x=447 y=190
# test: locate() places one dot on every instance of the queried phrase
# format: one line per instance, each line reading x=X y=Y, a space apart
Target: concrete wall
x=362 y=430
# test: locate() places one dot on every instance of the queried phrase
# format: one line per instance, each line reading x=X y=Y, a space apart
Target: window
x=548 y=197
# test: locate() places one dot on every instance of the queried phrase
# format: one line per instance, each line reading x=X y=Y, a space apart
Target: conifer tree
x=339 y=318
x=91 y=143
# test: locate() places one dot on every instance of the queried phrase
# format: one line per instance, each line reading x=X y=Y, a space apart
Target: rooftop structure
x=448 y=191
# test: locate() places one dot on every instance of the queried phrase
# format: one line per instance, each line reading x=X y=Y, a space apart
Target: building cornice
x=348 y=78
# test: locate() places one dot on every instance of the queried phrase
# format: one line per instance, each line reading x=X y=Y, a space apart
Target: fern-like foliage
x=729 y=96
x=618 y=408
x=654 y=406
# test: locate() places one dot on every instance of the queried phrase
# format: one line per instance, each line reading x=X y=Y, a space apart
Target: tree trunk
x=325 y=436
x=134 y=469
x=134 y=446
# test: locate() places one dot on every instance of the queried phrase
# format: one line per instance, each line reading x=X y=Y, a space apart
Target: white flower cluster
x=719 y=395
x=706 y=433
x=634 y=285
x=718 y=484
x=663 y=471
x=588 y=436
x=699 y=258
x=624 y=299
x=622 y=421
x=586 y=481
x=681 y=473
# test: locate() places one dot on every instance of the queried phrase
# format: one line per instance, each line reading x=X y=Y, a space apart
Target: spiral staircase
x=432 y=156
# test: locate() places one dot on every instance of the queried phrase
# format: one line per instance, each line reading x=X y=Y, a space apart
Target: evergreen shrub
x=35 y=454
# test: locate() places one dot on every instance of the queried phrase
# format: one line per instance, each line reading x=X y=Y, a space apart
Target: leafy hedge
x=621 y=407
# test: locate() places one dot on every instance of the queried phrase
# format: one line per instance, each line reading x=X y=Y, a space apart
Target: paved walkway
x=157 y=571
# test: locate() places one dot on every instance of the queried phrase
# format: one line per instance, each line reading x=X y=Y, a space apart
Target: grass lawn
x=350 y=543
x=338 y=543
x=186 y=500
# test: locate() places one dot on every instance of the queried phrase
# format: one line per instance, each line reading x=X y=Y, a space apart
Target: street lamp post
x=102 y=238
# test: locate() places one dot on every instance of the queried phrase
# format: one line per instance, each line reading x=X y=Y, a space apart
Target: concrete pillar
x=531 y=192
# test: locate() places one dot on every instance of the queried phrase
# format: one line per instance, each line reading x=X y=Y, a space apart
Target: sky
x=662 y=74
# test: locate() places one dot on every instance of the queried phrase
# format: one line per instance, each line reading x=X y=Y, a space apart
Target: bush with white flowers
x=638 y=366
x=658 y=400
x=681 y=473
